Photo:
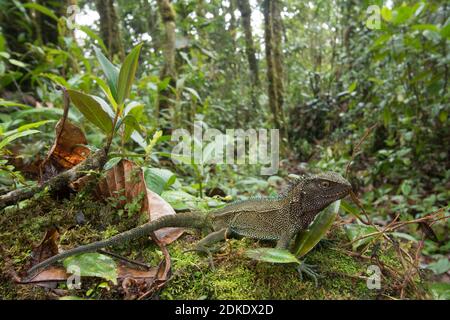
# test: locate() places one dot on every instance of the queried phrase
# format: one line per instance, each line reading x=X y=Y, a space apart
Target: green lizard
x=278 y=219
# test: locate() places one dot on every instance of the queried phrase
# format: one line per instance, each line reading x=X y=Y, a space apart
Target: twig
x=95 y=161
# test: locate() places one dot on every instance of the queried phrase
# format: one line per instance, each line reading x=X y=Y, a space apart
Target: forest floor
x=343 y=274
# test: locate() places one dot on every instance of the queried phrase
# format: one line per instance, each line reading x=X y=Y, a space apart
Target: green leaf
x=354 y=231
x=27 y=127
x=17 y=63
x=41 y=9
x=445 y=31
x=272 y=255
x=406 y=187
x=158 y=180
x=127 y=74
x=349 y=209
x=386 y=13
x=92 y=110
x=110 y=70
x=352 y=87
x=307 y=240
x=430 y=27
x=440 y=290
x=402 y=14
x=131 y=124
x=111 y=163
x=5 y=103
x=92 y=265
x=106 y=90
x=15 y=136
x=439 y=267
x=180 y=200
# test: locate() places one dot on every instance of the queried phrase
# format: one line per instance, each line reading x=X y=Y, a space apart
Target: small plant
x=115 y=115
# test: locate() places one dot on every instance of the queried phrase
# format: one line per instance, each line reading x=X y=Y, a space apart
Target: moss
x=234 y=276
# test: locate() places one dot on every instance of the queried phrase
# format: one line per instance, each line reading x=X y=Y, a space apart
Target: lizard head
x=319 y=190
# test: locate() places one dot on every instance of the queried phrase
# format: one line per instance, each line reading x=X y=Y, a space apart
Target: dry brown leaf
x=126 y=180
x=47 y=248
x=67 y=151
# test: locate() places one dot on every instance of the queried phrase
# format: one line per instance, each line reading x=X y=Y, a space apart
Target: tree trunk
x=47 y=27
x=110 y=28
x=168 y=70
x=272 y=35
x=246 y=16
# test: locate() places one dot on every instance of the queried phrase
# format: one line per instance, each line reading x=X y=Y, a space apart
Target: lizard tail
x=184 y=219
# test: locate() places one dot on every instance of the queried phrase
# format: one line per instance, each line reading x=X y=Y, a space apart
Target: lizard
x=278 y=218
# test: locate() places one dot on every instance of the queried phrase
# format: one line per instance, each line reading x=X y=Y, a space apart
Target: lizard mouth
x=338 y=194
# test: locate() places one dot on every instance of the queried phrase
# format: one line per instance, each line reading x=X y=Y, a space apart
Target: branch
x=95 y=161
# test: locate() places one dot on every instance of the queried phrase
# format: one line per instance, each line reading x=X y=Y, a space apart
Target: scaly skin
x=278 y=219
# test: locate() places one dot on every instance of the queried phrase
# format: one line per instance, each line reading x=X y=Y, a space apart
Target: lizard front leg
x=204 y=244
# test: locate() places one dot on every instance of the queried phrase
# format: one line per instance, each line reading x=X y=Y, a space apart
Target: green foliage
x=92 y=265
x=306 y=240
x=272 y=255
x=93 y=109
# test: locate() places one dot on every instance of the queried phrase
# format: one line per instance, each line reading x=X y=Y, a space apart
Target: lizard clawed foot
x=308 y=269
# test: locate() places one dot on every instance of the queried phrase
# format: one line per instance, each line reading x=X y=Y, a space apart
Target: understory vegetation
x=92 y=94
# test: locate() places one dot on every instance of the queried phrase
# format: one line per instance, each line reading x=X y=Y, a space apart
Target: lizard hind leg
x=204 y=244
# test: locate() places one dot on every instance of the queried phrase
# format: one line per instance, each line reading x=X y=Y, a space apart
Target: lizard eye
x=325 y=184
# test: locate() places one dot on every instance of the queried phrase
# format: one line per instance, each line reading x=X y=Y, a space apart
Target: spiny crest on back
x=293 y=183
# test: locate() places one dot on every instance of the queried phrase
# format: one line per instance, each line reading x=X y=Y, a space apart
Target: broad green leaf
x=307 y=240
x=139 y=139
x=92 y=264
x=106 y=90
x=272 y=255
x=15 y=136
x=111 y=163
x=104 y=106
x=41 y=9
x=158 y=180
x=354 y=231
x=440 y=290
x=110 y=70
x=127 y=74
x=180 y=200
x=441 y=266
x=92 y=110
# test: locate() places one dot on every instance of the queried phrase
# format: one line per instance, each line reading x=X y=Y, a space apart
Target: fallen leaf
x=67 y=151
x=47 y=248
x=59 y=274
x=125 y=182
